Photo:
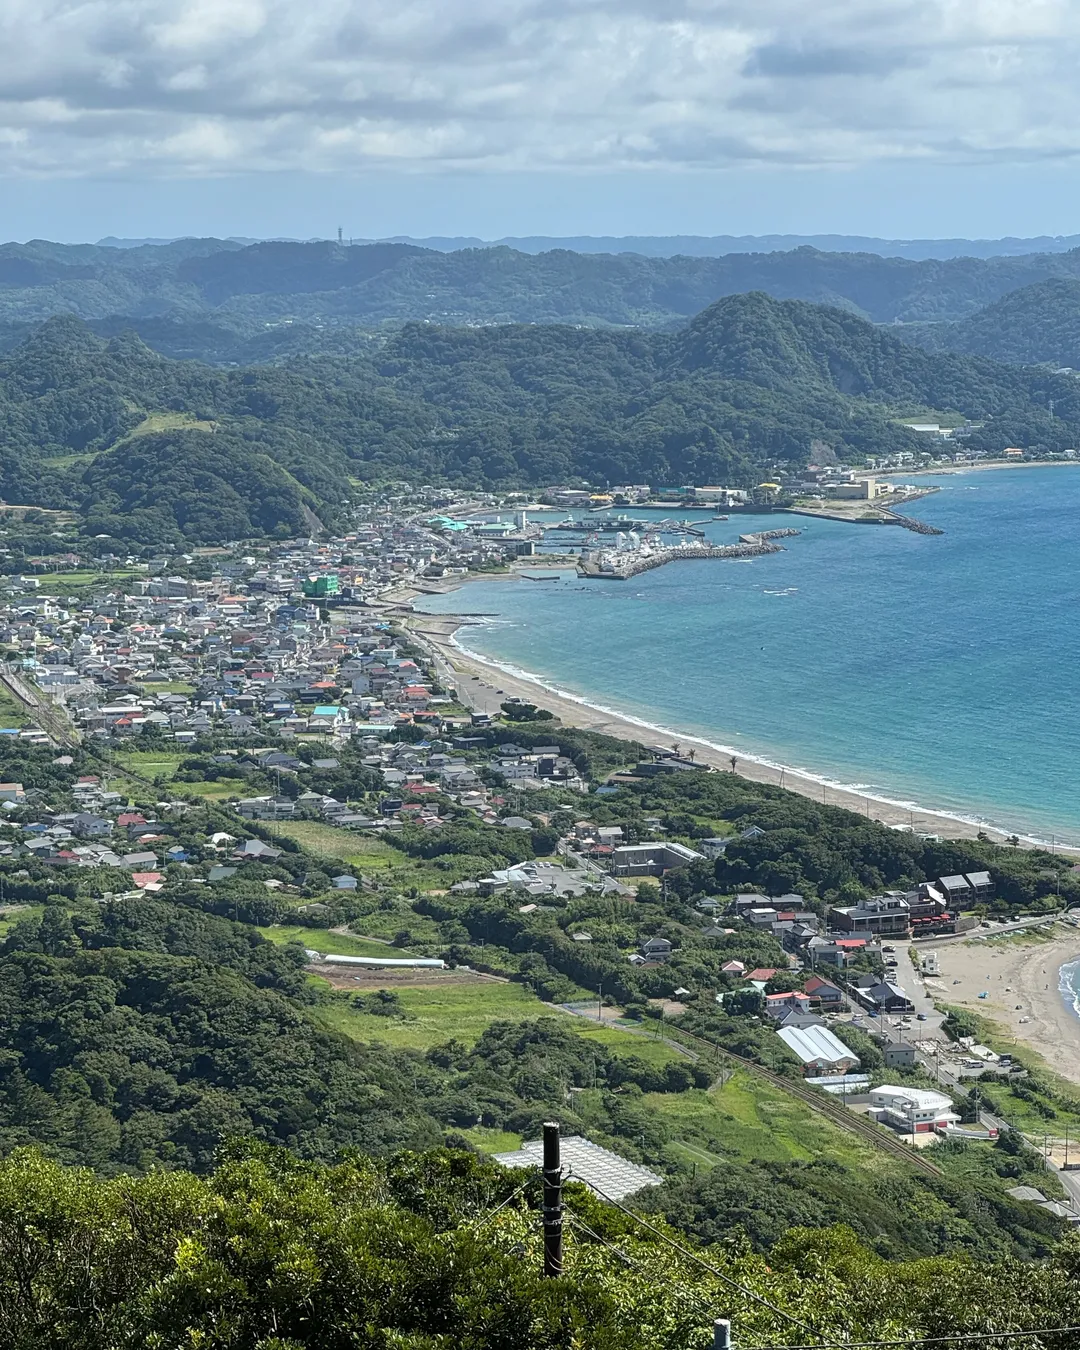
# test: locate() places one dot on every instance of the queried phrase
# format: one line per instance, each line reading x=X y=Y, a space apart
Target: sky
x=900 y=118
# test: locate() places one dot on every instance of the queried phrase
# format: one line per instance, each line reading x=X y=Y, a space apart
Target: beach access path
x=1015 y=972
x=483 y=687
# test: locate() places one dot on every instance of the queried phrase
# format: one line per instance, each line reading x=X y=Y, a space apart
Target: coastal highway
x=981 y=934
x=475 y=693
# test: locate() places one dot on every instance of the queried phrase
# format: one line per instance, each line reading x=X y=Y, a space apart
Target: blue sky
x=897 y=118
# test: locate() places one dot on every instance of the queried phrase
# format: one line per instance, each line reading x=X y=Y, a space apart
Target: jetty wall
x=621 y=566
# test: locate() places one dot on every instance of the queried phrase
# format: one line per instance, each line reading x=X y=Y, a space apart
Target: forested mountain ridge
x=1034 y=325
x=328 y=283
x=153 y=449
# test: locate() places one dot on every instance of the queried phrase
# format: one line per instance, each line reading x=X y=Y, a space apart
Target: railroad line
x=825 y=1105
x=47 y=714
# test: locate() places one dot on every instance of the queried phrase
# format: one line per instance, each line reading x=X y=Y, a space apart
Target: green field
x=749 y=1118
x=386 y=923
x=64 y=583
x=166 y=421
x=12 y=712
x=367 y=854
x=492 y=1141
x=629 y=1043
x=13 y=916
x=66 y=461
x=149 y=763
x=438 y=1013
x=745 y=1118
x=336 y=843
x=322 y=940
x=216 y=792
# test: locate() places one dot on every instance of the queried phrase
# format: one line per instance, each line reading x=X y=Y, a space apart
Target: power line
x=490 y=1214
x=575 y=1222
x=960 y=1338
x=692 y=1256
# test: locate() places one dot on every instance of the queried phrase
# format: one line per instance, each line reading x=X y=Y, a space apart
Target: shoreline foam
x=575 y=709
x=865 y=791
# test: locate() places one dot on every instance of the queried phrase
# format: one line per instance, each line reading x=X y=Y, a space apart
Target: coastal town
x=188 y=722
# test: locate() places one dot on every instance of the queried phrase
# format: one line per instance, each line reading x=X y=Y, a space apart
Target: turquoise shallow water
x=936 y=671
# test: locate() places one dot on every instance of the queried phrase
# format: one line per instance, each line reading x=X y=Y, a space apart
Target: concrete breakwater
x=761 y=536
x=910 y=523
x=882 y=515
x=621 y=565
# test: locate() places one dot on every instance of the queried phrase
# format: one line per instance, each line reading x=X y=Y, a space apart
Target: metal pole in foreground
x=721 y=1334
x=553 y=1247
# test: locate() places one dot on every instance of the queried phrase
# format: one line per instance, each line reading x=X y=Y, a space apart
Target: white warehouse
x=913 y=1110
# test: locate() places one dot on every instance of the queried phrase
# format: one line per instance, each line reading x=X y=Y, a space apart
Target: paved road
x=478 y=694
x=1017 y=926
x=907 y=1028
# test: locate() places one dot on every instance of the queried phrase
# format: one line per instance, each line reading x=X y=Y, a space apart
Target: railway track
x=48 y=715
x=824 y=1105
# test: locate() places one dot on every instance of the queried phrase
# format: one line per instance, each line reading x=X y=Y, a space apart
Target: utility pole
x=553 y=1244
x=722 y=1334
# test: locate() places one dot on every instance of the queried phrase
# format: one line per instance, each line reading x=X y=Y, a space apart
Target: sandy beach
x=977 y=466
x=1020 y=979
x=484 y=686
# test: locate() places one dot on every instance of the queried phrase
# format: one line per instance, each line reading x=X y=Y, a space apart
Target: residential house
x=778 y=1005
x=884 y=915
x=827 y=996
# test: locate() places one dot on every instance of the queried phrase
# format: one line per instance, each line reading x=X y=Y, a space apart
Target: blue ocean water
x=937 y=671
x=1069 y=986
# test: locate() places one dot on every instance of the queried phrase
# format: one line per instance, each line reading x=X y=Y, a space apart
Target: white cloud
x=194 y=86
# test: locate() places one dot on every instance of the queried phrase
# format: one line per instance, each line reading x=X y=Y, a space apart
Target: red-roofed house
x=827 y=995
x=776 y=1005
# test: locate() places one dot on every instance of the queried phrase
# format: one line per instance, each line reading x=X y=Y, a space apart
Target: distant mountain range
x=702 y=245
x=245 y=289
x=1037 y=324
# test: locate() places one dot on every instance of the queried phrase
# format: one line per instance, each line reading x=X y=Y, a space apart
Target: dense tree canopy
x=151 y=449
x=429 y=1251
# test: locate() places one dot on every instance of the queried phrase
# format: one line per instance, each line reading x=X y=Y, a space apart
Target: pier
x=622 y=564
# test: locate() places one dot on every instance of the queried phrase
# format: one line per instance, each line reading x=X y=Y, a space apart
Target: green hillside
x=437 y=1250
x=1034 y=325
x=750 y=383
